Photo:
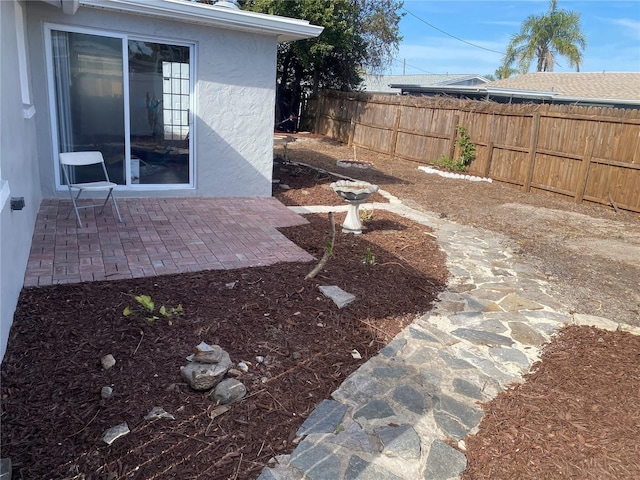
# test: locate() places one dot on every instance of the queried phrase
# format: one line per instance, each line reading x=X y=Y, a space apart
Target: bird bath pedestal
x=354 y=193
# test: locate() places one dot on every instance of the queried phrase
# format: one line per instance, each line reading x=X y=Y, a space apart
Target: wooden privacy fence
x=590 y=154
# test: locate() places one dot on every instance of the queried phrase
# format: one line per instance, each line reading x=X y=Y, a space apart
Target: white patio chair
x=74 y=159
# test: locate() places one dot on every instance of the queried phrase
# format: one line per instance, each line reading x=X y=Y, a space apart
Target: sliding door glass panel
x=159 y=104
x=89 y=96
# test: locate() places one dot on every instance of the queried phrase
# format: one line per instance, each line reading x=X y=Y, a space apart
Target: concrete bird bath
x=354 y=193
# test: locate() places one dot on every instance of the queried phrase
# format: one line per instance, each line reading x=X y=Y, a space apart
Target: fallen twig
x=238 y=469
x=261 y=447
x=328 y=249
x=92 y=419
x=376 y=328
x=141 y=337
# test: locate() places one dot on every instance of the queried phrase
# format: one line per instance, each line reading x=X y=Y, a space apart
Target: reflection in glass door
x=88 y=81
x=159 y=104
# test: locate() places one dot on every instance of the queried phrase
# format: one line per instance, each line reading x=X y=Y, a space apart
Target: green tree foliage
x=504 y=72
x=358 y=36
x=544 y=37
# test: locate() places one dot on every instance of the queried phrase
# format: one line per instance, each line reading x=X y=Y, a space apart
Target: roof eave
x=283 y=28
x=595 y=100
x=439 y=88
x=515 y=93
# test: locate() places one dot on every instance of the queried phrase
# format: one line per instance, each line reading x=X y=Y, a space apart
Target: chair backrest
x=81 y=158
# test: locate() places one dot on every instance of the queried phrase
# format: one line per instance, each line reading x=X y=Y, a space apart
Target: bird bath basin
x=354 y=193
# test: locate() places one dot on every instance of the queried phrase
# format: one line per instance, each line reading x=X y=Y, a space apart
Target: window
x=175 y=89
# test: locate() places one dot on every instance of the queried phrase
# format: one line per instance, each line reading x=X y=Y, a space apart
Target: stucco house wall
x=234 y=99
x=19 y=173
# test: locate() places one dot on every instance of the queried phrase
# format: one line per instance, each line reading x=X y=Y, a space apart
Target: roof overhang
x=70 y=7
x=283 y=28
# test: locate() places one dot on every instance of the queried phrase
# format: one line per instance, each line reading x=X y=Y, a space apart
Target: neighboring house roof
x=381 y=83
x=596 y=89
x=285 y=29
x=610 y=85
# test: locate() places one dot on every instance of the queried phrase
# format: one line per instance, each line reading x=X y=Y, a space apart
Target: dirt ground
x=575 y=417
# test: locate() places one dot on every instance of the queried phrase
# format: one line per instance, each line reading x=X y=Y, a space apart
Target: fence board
x=588 y=154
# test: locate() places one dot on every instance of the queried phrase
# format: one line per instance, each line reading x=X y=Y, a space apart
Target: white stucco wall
x=19 y=168
x=234 y=98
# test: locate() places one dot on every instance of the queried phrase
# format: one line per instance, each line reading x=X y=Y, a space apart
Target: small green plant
x=451 y=164
x=467 y=148
x=369 y=257
x=148 y=307
x=467 y=152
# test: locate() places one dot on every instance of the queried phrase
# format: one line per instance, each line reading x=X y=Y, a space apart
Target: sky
x=611 y=28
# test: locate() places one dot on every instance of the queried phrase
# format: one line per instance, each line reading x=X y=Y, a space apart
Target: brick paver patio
x=159 y=236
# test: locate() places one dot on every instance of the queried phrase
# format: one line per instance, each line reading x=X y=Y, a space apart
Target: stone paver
x=425 y=385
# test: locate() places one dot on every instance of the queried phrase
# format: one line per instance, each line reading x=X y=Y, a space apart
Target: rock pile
x=207 y=369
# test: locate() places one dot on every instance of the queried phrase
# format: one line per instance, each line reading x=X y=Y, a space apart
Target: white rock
x=112 y=434
x=203 y=376
x=205 y=353
x=339 y=296
x=158 y=412
x=229 y=391
x=107 y=361
x=106 y=392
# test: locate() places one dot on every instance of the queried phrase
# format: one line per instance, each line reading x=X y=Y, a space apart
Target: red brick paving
x=159 y=236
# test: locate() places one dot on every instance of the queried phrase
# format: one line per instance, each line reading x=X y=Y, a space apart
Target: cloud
x=505 y=23
x=630 y=27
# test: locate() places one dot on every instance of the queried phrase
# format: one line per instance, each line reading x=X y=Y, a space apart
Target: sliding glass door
x=129 y=99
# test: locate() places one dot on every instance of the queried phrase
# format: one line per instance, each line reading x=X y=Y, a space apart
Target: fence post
x=584 y=169
x=452 y=137
x=394 y=133
x=319 y=102
x=533 y=147
x=487 y=169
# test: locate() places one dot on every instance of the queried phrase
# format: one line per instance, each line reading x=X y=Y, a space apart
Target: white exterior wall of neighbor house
x=234 y=99
x=18 y=168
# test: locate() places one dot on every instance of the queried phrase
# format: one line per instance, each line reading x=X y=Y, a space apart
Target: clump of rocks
x=208 y=368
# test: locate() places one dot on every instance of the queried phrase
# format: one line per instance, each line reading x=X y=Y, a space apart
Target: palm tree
x=544 y=37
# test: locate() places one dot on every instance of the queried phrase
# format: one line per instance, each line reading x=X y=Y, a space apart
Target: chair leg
x=75 y=207
x=115 y=204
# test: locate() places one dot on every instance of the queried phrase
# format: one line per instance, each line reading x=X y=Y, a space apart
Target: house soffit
x=283 y=28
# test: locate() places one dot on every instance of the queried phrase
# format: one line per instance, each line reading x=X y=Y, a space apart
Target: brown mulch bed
x=53 y=416
x=301 y=185
x=576 y=416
